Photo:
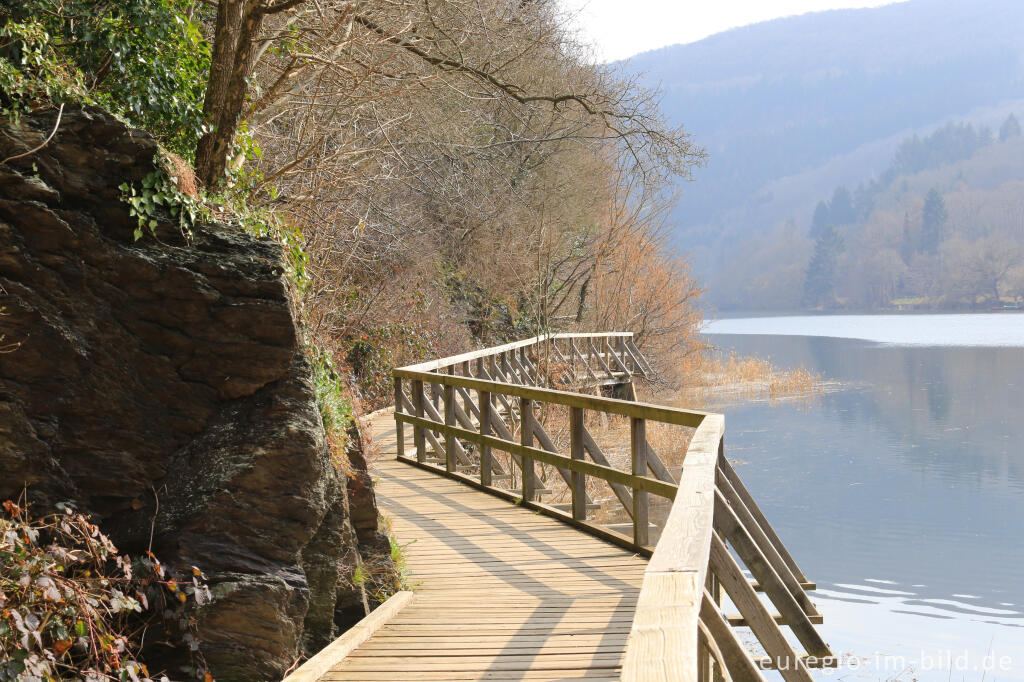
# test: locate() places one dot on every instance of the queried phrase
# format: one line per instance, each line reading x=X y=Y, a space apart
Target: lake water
x=901 y=493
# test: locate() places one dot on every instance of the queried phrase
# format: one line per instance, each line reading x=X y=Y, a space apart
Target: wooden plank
x=529 y=471
x=648 y=370
x=428 y=434
x=596 y=454
x=638 y=367
x=734 y=655
x=658 y=467
x=600 y=360
x=594 y=529
x=545 y=442
x=738 y=621
x=615 y=358
x=442 y=363
x=333 y=653
x=547 y=614
x=485 y=430
x=729 y=525
x=755 y=613
x=638 y=448
x=585 y=362
x=748 y=500
x=419 y=439
x=625 y=408
x=663 y=640
x=524 y=375
x=579 y=466
x=449 y=418
x=579 y=479
x=766 y=546
x=399 y=426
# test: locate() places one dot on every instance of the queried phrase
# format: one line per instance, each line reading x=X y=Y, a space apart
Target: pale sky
x=621 y=28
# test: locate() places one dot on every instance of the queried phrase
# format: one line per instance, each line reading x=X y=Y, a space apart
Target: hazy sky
x=620 y=28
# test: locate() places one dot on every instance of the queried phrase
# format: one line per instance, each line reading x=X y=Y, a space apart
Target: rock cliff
x=161 y=386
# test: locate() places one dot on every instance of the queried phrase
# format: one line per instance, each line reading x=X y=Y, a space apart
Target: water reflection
x=902 y=494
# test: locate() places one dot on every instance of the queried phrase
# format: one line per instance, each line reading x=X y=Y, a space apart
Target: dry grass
x=728 y=377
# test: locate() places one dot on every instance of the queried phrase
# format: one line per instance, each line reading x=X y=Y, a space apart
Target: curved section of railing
x=490 y=419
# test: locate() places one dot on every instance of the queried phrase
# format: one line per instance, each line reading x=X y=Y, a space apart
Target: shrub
x=146 y=60
x=73 y=608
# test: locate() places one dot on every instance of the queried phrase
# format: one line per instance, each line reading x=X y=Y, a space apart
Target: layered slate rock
x=159 y=385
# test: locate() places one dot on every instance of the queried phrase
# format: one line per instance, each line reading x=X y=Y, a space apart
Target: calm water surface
x=901 y=493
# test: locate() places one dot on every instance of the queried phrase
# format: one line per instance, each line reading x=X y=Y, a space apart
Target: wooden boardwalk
x=502 y=593
x=539 y=591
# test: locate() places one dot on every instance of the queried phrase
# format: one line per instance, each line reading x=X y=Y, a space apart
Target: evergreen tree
x=863 y=201
x=840 y=209
x=1010 y=128
x=820 y=220
x=934 y=222
x=820 y=282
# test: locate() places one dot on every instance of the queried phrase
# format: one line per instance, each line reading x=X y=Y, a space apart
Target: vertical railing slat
x=638 y=447
x=579 y=480
x=526 y=439
x=484 y=402
x=418 y=437
x=399 y=426
x=449 y=420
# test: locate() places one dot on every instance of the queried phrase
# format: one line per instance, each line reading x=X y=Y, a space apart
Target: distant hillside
x=792 y=107
x=941 y=228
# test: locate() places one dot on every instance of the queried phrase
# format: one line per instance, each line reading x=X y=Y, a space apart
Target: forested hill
x=791 y=108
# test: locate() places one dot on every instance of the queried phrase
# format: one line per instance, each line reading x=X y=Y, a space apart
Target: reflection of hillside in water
x=913 y=474
x=955 y=406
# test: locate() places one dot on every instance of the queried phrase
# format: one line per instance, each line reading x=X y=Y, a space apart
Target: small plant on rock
x=73 y=608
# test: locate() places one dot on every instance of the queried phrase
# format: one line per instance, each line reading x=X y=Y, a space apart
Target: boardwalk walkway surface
x=502 y=593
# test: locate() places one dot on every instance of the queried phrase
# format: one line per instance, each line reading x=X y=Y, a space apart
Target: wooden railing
x=483 y=418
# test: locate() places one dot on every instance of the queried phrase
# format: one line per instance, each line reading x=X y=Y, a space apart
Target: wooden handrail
x=679 y=631
x=442 y=363
x=662 y=642
x=624 y=408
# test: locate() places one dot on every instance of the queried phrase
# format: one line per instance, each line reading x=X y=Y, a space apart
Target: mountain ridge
x=784 y=97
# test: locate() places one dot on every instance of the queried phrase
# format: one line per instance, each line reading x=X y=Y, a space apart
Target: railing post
x=506 y=368
x=449 y=420
x=526 y=439
x=399 y=426
x=418 y=437
x=484 y=399
x=579 y=480
x=638 y=446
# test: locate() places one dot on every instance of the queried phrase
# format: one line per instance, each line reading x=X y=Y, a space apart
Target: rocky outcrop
x=163 y=379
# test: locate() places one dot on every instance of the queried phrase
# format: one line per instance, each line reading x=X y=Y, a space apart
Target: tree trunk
x=234 y=49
